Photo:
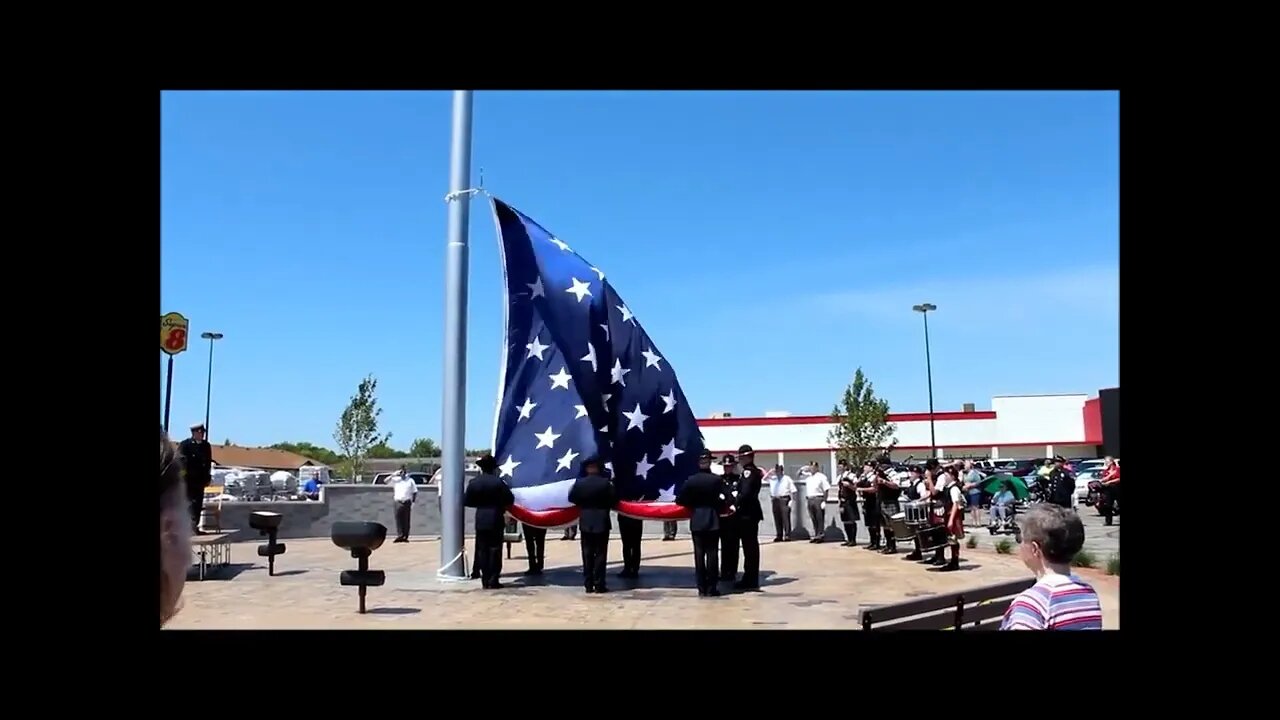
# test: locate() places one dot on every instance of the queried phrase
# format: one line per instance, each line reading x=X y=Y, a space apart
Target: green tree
x=424 y=448
x=357 y=430
x=862 y=429
x=322 y=455
x=383 y=451
x=476 y=453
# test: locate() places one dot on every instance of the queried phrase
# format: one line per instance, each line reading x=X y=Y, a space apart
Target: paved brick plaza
x=804 y=586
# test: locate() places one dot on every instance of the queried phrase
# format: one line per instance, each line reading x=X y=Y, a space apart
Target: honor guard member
x=749 y=517
x=490 y=497
x=888 y=494
x=197 y=462
x=847 y=493
x=729 y=542
x=535 y=546
x=703 y=494
x=594 y=495
x=869 y=491
x=669 y=530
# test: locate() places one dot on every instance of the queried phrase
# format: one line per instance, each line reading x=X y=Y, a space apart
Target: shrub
x=1113 y=565
x=1004 y=546
x=1084 y=559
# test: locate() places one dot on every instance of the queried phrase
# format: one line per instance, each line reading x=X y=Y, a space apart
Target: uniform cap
x=197 y=426
x=706 y=455
x=745 y=450
x=728 y=459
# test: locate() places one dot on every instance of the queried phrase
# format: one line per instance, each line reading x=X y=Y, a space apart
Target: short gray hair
x=1057 y=530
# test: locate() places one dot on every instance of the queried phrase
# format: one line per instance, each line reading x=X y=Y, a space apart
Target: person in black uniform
x=490 y=497
x=1061 y=484
x=729 y=525
x=889 y=493
x=630 y=529
x=750 y=515
x=197 y=461
x=535 y=546
x=669 y=530
x=848 y=495
x=869 y=490
x=703 y=493
x=595 y=496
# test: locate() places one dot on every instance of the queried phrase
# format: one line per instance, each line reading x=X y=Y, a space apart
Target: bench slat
x=885 y=613
x=942 y=620
x=989 y=613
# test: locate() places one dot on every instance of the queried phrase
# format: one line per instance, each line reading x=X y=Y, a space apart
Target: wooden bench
x=979 y=608
x=211 y=550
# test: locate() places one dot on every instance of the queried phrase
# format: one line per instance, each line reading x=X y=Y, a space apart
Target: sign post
x=173 y=340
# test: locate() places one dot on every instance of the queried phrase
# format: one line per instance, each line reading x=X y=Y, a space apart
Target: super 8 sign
x=173 y=333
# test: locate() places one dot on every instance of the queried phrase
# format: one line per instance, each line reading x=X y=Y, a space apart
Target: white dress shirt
x=404 y=488
x=817 y=485
x=781 y=486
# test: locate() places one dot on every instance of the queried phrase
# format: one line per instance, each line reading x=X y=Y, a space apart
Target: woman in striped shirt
x=1051 y=537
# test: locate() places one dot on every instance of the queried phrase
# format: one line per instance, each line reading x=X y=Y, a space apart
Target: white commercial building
x=1016 y=427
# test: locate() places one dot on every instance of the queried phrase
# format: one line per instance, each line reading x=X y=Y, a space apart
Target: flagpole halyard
x=453 y=440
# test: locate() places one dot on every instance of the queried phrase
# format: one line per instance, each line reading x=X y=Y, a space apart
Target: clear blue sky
x=769 y=242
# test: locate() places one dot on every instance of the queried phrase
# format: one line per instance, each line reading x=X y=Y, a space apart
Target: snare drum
x=901 y=530
x=932 y=538
x=918 y=512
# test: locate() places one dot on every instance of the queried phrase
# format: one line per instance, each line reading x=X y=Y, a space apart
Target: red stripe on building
x=1093 y=421
x=941 y=416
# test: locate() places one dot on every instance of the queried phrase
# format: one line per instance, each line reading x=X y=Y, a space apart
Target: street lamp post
x=208 y=391
x=924 y=309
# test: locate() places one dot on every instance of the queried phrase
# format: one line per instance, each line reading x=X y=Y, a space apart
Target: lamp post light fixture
x=924 y=309
x=208 y=391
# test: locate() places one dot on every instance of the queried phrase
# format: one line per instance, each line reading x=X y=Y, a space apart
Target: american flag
x=581 y=378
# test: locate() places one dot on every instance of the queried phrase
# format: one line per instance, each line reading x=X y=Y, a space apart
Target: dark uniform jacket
x=595 y=496
x=705 y=494
x=197 y=458
x=490 y=497
x=749 y=494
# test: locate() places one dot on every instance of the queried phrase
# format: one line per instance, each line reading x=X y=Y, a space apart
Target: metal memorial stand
x=799 y=510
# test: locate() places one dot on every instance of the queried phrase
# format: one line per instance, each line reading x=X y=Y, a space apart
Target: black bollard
x=361 y=538
x=268 y=523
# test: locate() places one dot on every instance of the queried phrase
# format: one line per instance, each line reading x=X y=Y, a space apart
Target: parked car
x=1082 y=481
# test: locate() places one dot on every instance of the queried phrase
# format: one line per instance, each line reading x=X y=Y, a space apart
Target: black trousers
x=489 y=556
x=1110 y=494
x=195 y=502
x=630 y=534
x=749 y=536
x=705 y=546
x=669 y=530
x=404 y=509
x=595 y=555
x=817 y=514
x=782 y=517
x=728 y=548
x=535 y=546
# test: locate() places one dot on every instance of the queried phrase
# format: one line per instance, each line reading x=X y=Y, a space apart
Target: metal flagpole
x=455 y=342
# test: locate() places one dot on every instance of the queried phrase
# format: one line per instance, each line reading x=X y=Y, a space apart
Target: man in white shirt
x=404 y=491
x=781 y=488
x=815 y=491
